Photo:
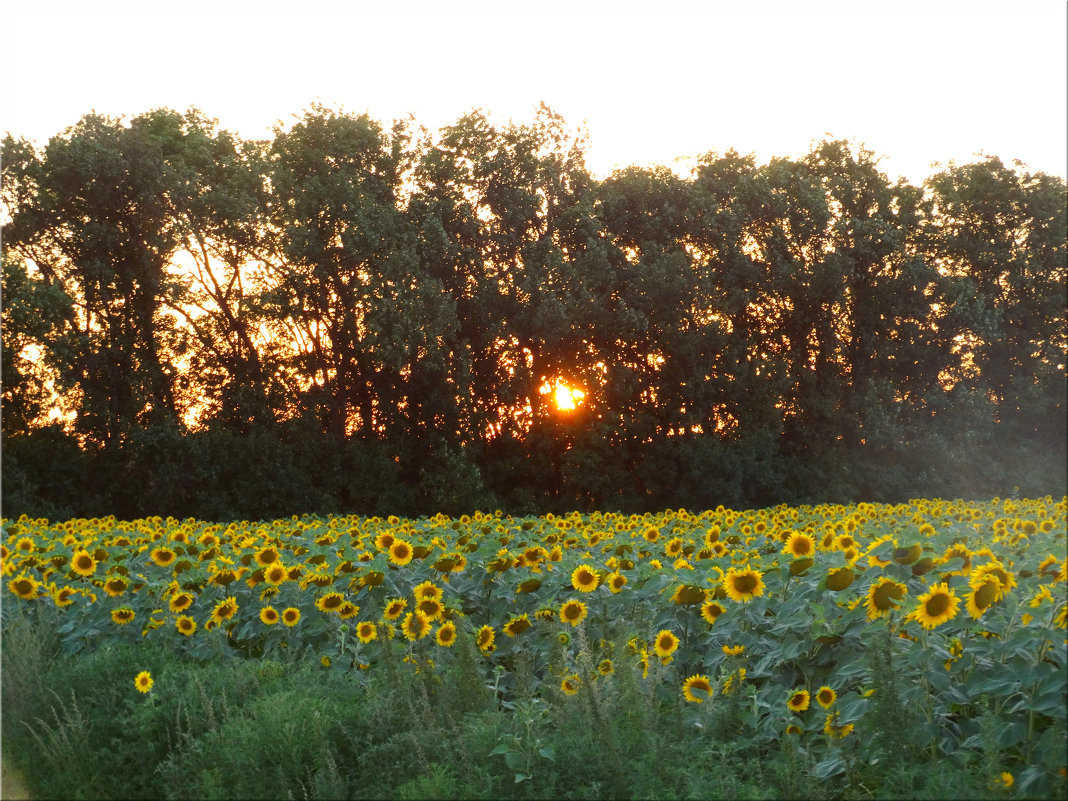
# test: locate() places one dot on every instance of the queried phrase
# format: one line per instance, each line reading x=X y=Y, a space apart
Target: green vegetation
x=354 y=318
x=829 y=652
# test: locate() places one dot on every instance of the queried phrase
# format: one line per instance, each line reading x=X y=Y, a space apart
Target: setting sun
x=566 y=398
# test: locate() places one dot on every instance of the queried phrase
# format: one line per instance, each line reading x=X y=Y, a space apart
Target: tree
x=362 y=320
x=92 y=214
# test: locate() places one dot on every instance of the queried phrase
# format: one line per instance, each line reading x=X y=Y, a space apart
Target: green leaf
x=547 y=753
x=832 y=766
x=503 y=748
x=514 y=760
x=1012 y=734
x=1028 y=776
x=1001 y=685
x=1051 y=704
x=521 y=777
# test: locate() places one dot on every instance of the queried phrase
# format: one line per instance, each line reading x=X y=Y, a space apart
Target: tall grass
x=285 y=728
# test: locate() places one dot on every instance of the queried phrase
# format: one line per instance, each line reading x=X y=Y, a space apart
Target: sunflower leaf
x=514 y=760
x=832 y=766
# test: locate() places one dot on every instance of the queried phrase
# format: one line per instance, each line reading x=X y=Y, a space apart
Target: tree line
x=368 y=318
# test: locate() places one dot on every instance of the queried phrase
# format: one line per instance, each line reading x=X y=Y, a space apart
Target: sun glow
x=566 y=398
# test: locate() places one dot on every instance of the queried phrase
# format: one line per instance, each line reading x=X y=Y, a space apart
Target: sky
x=917 y=83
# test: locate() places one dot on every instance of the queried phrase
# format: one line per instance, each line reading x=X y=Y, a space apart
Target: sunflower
x=143 y=681
x=26 y=545
x=400 y=552
x=1004 y=781
x=883 y=596
x=517 y=625
x=62 y=596
x=116 y=586
x=729 y=685
x=665 y=643
x=982 y=597
x=395 y=608
x=936 y=606
x=179 y=601
x=908 y=554
x=570 y=684
x=185 y=625
x=225 y=577
x=793 y=728
x=432 y=608
x=225 y=609
x=83 y=563
x=269 y=615
x=484 y=639
x=605 y=667
x=415 y=625
x=711 y=610
x=799 y=546
x=275 y=573
x=825 y=697
x=428 y=591
x=348 y=610
x=699 y=683
x=832 y=728
x=330 y=603
x=267 y=556
x=1006 y=581
x=616 y=582
x=799 y=700
x=839 y=578
x=733 y=650
x=712 y=535
x=163 y=556
x=584 y=578
x=958 y=551
x=366 y=631
x=1042 y=596
x=24 y=587
x=446 y=635
x=845 y=541
x=1047 y=568
x=291 y=616
x=122 y=615
x=384 y=540
x=743 y=585
x=673 y=548
x=573 y=612
x=688 y=595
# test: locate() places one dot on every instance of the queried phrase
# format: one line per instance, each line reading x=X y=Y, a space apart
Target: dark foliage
x=351 y=318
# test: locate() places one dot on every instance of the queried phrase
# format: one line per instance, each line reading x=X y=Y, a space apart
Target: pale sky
x=914 y=81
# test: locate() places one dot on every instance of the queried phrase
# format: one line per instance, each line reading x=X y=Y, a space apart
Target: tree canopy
x=373 y=319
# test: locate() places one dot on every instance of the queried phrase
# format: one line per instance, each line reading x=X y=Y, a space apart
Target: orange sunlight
x=566 y=398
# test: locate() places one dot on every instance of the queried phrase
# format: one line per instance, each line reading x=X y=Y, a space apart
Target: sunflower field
x=839 y=647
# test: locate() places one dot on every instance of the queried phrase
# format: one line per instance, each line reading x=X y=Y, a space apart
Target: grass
x=255 y=728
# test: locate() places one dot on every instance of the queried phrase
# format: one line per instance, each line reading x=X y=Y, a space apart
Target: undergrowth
x=289 y=728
